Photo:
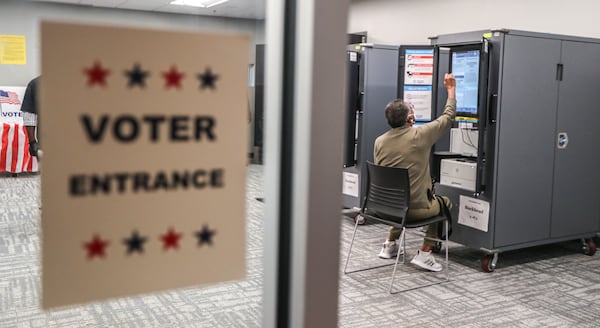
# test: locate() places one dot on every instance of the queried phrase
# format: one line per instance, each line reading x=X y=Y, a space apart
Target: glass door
x=292 y=242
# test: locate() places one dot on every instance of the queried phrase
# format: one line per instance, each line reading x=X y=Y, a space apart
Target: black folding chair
x=386 y=201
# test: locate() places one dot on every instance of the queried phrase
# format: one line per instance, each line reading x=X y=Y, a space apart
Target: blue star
x=207 y=79
x=135 y=243
x=205 y=236
x=137 y=76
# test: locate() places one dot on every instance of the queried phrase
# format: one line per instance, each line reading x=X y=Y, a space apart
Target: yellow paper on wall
x=12 y=50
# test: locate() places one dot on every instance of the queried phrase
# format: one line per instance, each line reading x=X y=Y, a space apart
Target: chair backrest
x=388 y=192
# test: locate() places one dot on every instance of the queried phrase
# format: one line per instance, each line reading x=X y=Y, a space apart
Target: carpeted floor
x=549 y=286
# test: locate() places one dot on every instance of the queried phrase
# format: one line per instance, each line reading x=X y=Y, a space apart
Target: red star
x=173 y=78
x=96 y=74
x=171 y=239
x=96 y=247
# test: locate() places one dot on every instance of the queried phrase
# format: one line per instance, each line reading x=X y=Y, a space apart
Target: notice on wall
x=144 y=168
x=12 y=50
x=474 y=213
x=350 y=184
x=418 y=81
x=418 y=67
x=420 y=97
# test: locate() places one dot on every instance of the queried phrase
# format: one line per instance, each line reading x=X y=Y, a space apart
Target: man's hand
x=34 y=148
x=450 y=84
x=449 y=81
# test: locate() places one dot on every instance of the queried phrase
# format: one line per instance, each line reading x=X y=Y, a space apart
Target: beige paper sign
x=144 y=168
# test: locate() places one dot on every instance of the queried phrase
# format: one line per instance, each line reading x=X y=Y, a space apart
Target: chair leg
x=446 y=248
x=395 y=266
x=403 y=243
x=350 y=248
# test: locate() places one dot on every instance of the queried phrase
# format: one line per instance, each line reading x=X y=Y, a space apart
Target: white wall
x=18 y=17
x=413 y=21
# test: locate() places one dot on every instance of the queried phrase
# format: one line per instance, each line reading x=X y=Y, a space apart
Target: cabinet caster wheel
x=361 y=220
x=488 y=263
x=589 y=247
x=437 y=248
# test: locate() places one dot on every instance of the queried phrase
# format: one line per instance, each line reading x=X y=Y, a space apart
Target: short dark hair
x=396 y=113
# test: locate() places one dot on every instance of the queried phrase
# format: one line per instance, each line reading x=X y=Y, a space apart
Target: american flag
x=9 y=97
x=14 y=150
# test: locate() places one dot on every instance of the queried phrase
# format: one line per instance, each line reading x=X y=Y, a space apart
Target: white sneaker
x=426 y=261
x=389 y=250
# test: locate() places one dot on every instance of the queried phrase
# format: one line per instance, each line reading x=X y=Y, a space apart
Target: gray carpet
x=236 y=304
x=550 y=286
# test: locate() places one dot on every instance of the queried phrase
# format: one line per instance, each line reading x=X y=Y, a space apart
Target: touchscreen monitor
x=465 y=67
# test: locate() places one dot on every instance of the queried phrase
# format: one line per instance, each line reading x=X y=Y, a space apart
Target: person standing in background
x=30 y=115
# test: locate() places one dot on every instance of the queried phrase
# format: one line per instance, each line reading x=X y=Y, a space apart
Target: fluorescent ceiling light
x=198 y=3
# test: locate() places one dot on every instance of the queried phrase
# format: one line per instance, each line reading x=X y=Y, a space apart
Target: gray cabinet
x=540 y=125
x=576 y=197
x=525 y=139
x=376 y=69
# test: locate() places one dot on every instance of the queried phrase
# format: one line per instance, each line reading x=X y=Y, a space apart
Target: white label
x=474 y=213
x=353 y=56
x=350 y=184
x=465 y=125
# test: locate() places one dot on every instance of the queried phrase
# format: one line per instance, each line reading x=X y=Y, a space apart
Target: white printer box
x=459 y=173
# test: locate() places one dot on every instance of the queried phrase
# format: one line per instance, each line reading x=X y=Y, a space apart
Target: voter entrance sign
x=144 y=167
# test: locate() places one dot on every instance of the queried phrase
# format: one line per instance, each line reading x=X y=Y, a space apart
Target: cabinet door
x=525 y=143
x=575 y=208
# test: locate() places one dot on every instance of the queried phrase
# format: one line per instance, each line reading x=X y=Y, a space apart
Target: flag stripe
x=14 y=153
x=30 y=164
x=5 y=130
x=26 y=152
x=9 y=149
x=15 y=149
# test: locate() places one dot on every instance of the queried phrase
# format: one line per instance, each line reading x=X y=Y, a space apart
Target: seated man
x=408 y=147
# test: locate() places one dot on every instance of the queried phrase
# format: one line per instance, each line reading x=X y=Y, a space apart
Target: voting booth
x=521 y=163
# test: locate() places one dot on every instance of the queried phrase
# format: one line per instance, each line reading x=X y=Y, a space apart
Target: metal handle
x=559 y=72
x=562 y=140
